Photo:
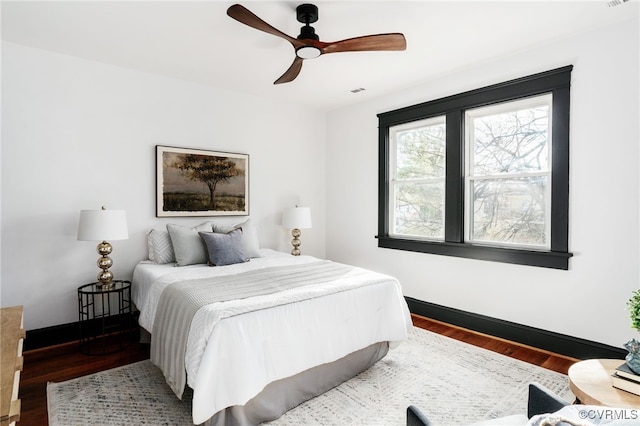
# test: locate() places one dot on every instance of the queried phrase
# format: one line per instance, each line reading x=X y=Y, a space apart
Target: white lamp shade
x=297 y=217
x=102 y=225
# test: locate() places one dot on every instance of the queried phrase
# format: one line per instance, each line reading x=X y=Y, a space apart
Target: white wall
x=78 y=134
x=589 y=300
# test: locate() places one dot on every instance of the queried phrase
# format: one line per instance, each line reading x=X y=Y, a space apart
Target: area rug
x=454 y=383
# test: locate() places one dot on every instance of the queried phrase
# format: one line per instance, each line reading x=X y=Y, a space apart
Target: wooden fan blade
x=245 y=16
x=392 y=41
x=291 y=73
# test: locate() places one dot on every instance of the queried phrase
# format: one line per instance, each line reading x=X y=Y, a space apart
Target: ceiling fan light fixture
x=308 y=52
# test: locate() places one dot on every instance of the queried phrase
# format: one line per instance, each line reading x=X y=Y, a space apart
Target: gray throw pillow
x=249 y=236
x=224 y=249
x=188 y=247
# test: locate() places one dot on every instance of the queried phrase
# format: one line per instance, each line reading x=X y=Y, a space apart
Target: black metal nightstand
x=104 y=315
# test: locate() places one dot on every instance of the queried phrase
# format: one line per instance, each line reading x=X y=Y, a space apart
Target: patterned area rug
x=453 y=382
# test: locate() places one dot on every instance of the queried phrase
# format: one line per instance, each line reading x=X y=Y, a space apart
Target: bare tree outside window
x=508 y=172
x=420 y=179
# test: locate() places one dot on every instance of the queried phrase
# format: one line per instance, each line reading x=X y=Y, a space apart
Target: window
x=483 y=174
x=418 y=184
x=508 y=173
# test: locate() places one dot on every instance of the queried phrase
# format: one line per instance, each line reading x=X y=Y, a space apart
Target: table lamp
x=102 y=225
x=296 y=218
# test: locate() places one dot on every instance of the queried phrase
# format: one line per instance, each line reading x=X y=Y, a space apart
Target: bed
x=254 y=339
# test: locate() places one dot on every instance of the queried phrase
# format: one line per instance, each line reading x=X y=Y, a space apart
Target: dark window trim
x=557 y=82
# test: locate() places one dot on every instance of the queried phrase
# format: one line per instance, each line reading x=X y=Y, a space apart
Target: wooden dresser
x=11 y=334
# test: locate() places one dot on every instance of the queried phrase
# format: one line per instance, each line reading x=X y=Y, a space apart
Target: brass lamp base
x=105 y=277
x=295 y=242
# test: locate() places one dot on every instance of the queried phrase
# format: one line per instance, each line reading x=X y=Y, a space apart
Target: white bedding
x=230 y=360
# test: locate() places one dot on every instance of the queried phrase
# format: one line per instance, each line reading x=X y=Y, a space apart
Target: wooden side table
x=590 y=382
x=104 y=315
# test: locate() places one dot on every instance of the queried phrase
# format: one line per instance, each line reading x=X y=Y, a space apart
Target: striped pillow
x=160 y=248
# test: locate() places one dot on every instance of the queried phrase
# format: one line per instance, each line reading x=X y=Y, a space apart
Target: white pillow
x=249 y=236
x=160 y=247
x=188 y=247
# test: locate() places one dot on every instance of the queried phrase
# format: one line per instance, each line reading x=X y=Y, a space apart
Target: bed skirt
x=282 y=395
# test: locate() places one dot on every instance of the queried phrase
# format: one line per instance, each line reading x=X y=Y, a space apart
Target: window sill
x=545 y=259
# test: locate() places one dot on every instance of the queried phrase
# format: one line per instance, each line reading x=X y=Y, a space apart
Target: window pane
x=420 y=150
x=510 y=211
x=419 y=209
x=418 y=178
x=512 y=141
x=509 y=139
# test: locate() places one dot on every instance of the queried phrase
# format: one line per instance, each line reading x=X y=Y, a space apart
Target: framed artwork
x=195 y=182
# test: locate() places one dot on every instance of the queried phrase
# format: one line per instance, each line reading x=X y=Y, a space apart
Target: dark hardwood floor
x=60 y=363
x=542 y=358
x=64 y=362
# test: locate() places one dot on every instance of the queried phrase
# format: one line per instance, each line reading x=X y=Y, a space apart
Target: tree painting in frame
x=194 y=182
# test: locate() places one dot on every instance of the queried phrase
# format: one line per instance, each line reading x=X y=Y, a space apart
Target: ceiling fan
x=308 y=45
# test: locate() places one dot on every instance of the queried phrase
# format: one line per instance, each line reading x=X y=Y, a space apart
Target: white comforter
x=230 y=360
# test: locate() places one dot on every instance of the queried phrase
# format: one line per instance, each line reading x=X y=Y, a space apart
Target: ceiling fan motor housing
x=307 y=13
x=308 y=32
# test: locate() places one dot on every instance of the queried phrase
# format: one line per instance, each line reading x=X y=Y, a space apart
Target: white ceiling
x=197 y=41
